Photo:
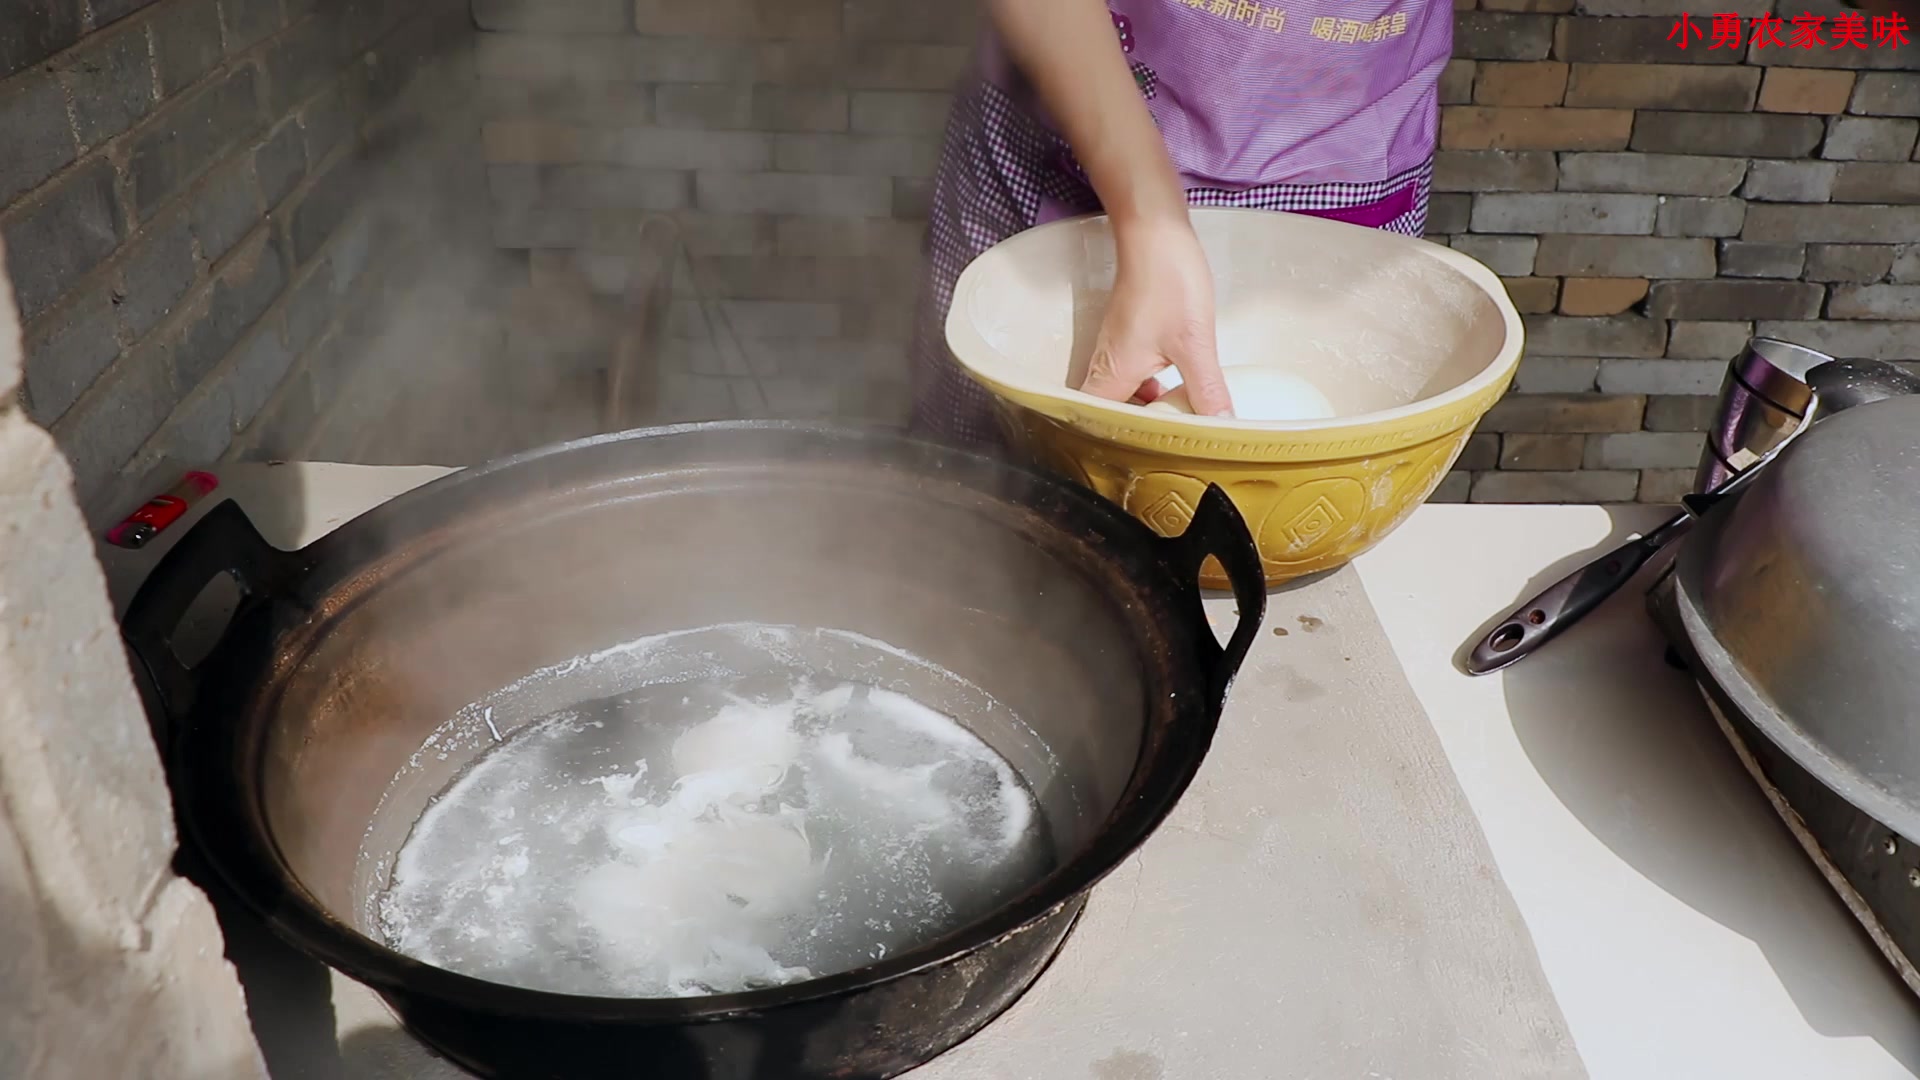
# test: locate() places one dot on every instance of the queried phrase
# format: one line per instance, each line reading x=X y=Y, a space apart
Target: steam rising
x=521 y=297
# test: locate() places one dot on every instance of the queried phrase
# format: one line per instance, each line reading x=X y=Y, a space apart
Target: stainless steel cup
x=1762 y=399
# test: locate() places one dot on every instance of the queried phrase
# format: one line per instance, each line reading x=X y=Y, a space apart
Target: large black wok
x=293 y=749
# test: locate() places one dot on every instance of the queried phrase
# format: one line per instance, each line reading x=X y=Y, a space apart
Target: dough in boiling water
x=1260 y=393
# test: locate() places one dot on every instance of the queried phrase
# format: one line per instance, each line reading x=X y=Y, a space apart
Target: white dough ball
x=1260 y=393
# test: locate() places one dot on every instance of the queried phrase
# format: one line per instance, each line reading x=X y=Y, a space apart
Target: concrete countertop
x=1683 y=933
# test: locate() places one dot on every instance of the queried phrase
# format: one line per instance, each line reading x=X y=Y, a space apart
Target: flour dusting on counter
x=712 y=836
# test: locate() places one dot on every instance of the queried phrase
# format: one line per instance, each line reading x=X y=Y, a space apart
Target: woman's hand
x=1162 y=309
x=1160 y=316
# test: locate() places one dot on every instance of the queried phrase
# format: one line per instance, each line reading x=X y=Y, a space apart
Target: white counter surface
x=1681 y=930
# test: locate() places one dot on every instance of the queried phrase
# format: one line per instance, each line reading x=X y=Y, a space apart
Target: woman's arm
x=1162 y=309
x=1070 y=51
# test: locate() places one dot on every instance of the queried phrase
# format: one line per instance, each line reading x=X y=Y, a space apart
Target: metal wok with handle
x=294 y=748
x=1797 y=610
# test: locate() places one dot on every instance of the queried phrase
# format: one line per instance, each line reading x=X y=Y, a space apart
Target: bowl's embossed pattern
x=1307 y=516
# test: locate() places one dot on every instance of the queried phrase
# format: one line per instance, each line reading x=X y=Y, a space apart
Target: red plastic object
x=162 y=510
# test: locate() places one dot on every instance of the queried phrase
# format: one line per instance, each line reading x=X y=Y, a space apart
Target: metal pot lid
x=1802 y=598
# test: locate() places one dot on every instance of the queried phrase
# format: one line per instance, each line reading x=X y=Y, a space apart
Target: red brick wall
x=1653 y=207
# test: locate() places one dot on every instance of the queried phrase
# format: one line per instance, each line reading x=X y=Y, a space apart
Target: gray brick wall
x=1652 y=208
x=790 y=141
x=187 y=192
x=1649 y=207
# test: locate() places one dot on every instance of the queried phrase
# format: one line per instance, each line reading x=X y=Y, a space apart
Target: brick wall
x=185 y=193
x=790 y=139
x=111 y=959
x=1651 y=208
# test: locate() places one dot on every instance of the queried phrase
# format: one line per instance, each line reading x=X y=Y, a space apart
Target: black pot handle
x=223 y=542
x=1565 y=602
x=1217 y=529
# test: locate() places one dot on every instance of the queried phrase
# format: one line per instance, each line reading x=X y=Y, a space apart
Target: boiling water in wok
x=712 y=834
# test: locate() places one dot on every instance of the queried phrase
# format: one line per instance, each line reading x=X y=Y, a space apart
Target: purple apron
x=1323 y=107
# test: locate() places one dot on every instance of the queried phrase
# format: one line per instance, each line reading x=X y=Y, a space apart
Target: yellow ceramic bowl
x=1411 y=342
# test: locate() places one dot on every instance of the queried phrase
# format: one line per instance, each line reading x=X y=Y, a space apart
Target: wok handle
x=223 y=542
x=1217 y=529
x=1565 y=602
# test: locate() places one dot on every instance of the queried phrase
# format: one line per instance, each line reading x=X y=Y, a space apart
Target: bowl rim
x=964 y=343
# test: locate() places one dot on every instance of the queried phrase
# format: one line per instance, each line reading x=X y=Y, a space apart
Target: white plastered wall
x=110 y=964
